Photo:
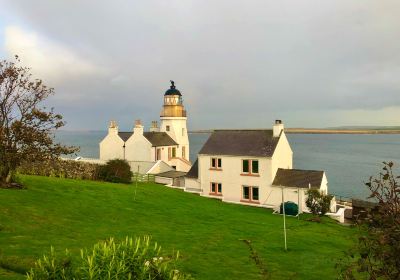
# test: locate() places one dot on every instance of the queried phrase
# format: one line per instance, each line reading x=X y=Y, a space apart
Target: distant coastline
x=323 y=131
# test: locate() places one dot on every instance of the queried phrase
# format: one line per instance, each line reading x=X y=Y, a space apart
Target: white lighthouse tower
x=173 y=121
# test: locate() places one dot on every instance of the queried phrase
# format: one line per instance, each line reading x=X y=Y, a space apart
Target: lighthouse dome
x=172 y=90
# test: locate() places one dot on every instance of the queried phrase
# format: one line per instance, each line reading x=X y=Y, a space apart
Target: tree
x=26 y=127
x=317 y=202
x=378 y=249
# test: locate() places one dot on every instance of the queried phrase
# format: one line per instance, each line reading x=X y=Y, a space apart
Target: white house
x=169 y=143
x=251 y=167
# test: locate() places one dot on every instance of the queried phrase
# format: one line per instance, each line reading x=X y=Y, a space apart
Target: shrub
x=117 y=171
x=317 y=202
x=130 y=259
x=61 y=168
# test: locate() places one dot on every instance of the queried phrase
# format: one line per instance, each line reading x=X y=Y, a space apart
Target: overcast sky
x=238 y=64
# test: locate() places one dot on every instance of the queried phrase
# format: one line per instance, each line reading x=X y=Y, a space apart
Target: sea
x=348 y=159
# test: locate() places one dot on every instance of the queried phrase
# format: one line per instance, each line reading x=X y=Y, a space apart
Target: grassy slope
x=74 y=214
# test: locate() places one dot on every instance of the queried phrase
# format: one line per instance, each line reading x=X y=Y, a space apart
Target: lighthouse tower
x=173 y=121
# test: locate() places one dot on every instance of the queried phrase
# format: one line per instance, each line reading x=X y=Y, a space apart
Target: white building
x=169 y=143
x=251 y=167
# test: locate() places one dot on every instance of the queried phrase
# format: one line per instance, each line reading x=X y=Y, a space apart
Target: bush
x=317 y=202
x=61 y=168
x=116 y=171
x=130 y=259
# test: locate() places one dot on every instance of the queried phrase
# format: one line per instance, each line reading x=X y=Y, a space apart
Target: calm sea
x=348 y=160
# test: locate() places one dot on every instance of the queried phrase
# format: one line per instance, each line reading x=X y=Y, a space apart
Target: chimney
x=277 y=128
x=138 y=127
x=154 y=127
x=113 y=128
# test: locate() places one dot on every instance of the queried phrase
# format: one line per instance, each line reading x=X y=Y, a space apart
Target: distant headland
x=332 y=130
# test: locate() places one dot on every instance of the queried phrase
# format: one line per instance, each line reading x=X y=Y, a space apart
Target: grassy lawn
x=208 y=233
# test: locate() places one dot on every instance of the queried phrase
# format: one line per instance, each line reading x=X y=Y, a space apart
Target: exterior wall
x=283 y=156
x=231 y=179
x=111 y=147
x=192 y=184
x=290 y=194
x=163 y=180
x=176 y=125
x=138 y=148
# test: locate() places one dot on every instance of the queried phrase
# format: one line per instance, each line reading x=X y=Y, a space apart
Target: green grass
x=208 y=233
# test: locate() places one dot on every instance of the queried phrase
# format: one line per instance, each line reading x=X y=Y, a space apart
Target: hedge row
x=62 y=168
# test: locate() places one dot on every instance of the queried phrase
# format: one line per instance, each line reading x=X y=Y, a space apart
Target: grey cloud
x=236 y=62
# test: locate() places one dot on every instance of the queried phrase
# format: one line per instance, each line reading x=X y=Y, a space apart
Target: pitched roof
x=241 y=143
x=171 y=174
x=159 y=139
x=194 y=170
x=155 y=138
x=298 y=178
x=125 y=135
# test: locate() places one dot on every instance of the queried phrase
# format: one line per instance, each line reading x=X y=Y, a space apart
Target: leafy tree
x=116 y=171
x=317 y=202
x=377 y=252
x=26 y=127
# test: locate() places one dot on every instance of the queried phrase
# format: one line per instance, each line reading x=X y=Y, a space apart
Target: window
x=158 y=155
x=216 y=189
x=249 y=167
x=183 y=131
x=250 y=194
x=173 y=152
x=167 y=128
x=216 y=163
x=184 y=152
x=169 y=153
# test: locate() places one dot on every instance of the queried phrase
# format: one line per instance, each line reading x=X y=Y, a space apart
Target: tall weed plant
x=137 y=258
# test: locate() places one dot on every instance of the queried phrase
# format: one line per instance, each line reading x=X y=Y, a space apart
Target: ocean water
x=348 y=159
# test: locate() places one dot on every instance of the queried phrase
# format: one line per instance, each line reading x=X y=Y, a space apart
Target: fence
x=137 y=177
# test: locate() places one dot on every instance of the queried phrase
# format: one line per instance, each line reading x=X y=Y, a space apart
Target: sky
x=238 y=64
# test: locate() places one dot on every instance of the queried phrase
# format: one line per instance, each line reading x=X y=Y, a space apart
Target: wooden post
x=284 y=218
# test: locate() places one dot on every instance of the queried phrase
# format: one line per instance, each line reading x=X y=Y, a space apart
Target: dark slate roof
x=241 y=143
x=159 y=139
x=125 y=135
x=194 y=170
x=363 y=204
x=171 y=174
x=155 y=138
x=298 y=178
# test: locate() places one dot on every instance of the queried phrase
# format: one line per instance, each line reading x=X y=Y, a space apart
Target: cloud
x=237 y=63
x=49 y=60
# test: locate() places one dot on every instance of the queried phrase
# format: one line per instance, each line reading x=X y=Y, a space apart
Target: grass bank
x=211 y=236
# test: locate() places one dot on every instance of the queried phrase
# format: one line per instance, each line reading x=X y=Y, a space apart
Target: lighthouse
x=173 y=121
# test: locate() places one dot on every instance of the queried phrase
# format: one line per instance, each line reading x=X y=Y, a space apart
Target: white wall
x=283 y=155
x=192 y=184
x=138 y=148
x=176 y=125
x=111 y=147
x=231 y=179
x=163 y=180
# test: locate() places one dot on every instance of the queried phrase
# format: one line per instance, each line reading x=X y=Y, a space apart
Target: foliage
x=116 y=171
x=291 y=208
x=61 y=168
x=25 y=125
x=130 y=259
x=317 y=202
x=377 y=253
